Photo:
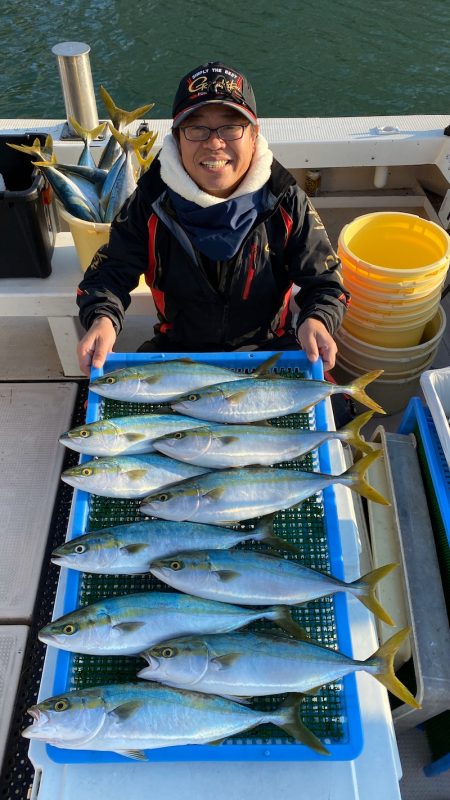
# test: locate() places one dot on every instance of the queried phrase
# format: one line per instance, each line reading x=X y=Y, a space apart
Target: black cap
x=213 y=82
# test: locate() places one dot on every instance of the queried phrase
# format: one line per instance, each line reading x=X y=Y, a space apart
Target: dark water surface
x=323 y=58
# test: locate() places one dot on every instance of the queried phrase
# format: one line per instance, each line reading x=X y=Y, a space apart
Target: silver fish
x=218 y=446
x=249 y=664
x=130 y=549
x=231 y=495
x=130 y=624
x=252 y=579
x=130 y=718
x=125 y=435
x=160 y=381
x=85 y=159
x=253 y=399
x=125 y=181
x=128 y=476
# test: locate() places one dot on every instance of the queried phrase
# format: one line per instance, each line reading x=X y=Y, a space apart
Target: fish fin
x=126 y=710
x=287 y=717
x=281 y=615
x=387 y=653
x=356 y=389
x=215 y=494
x=352 y=433
x=137 y=547
x=138 y=755
x=133 y=437
x=51 y=162
x=357 y=481
x=267 y=364
x=243 y=701
x=128 y=627
x=85 y=133
x=264 y=533
x=220 y=662
x=225 y=575
x=369 y=582
x=135 y=474
x=222 y=440
x=122 y=117
x=151 y=379
x=236 y=397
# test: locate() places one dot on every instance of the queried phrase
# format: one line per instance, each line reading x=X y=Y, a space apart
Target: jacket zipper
x=250 y=271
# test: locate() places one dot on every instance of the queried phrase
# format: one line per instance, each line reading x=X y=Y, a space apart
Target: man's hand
x=315 y=340
x=96 y=344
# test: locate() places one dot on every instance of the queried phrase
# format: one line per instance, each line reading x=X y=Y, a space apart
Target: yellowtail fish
x=252 y=579
x=233 y=495
x=130 y=624
x=249 y=664
x=120 y=119
x=124 y=435
x=220 y=446
x=130 y=718
x=253 y=399
x=130 y=549
x=114 y=194
x=128 y=476
x=85 y=159
x=160 y=381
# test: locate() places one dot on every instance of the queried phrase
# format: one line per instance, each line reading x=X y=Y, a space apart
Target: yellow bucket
x=397 y=316
x=363 y=298
x=404 y=334
x=394 y=246
x=87 y=236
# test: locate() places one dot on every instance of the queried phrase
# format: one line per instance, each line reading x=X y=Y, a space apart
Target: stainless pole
x=76 y=81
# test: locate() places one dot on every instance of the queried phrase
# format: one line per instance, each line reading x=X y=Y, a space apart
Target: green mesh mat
x=325 y=713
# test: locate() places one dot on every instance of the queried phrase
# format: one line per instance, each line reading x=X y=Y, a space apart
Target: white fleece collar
x=175 y=176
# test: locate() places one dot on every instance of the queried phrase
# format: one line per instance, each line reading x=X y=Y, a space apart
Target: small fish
x=233 y=495
x=130 y=549
x=253 y=399
x=221 y=446
x=130 y=624
x=160 y=381
x=249 y=664
x=88 y=187
x=252 y=579
x=124 y=185
x=85 y=159
x=129 y=718
x=126 y=435
x=120 y=119
x=128 y=476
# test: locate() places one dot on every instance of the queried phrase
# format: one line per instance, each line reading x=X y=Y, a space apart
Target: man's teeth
x=214 y=164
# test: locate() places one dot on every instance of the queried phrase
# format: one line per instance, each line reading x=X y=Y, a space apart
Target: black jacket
x=224 y=305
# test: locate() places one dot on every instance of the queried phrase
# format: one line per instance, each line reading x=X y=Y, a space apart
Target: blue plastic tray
x=350 y=741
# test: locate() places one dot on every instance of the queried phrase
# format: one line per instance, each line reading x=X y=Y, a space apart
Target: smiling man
x=223 y=234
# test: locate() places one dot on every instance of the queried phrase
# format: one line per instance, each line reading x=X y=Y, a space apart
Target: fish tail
x=287 y=717
x=356 y=389
x=352 y=433
x=119 y=117
x=84 y=133
x=282 y=617
x=264 y=533
x=34 y=150
x=386 y=654
x=51 y=162
x=355 y=478
x=267 y=364
x=364 y=590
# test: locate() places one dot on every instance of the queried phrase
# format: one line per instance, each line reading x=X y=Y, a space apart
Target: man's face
x=217 y=166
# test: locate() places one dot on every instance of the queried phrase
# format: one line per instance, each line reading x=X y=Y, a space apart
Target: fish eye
x=110 y=379
x=86 y=472
x=69 y=629
x=61 y=705
x=167 y=652
x=84 y=433
x=193 y=397
x=178 y=435
x=163 y=497
x=176 y=565
x=79 y=548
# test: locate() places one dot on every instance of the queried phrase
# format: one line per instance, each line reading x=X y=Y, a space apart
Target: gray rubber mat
x=12 y=646
x=32 y=417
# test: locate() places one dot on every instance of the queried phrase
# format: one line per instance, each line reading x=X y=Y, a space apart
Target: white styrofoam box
x=436 y=388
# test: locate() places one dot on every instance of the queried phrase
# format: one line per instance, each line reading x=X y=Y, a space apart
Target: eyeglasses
x=201 y=133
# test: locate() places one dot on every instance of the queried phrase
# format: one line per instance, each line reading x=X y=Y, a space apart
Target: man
x=222 y=233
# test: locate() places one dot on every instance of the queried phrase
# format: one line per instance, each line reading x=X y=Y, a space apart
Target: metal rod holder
x=76 y=81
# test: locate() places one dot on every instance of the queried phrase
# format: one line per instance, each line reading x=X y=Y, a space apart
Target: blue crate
x=351 y=743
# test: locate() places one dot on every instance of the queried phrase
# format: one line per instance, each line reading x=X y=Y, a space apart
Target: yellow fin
x=355 y=478
x=352 y=432
x=267 y=364
x=386 y=653
x=118 y=115
x=136 y=474
x=126 y=710
x=356 y=389
x=368 y=598
x=84 y=133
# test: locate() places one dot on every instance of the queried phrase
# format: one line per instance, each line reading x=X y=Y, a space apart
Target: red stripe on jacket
x=158 y=295
x=288 y=223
